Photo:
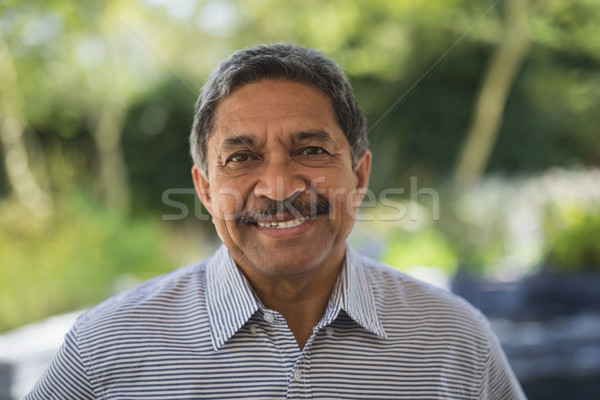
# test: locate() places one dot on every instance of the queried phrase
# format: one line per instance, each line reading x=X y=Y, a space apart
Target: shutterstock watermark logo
x=392 y=204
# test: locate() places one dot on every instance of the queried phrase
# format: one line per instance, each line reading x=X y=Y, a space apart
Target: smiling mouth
x=283 y=224
x=284 y=214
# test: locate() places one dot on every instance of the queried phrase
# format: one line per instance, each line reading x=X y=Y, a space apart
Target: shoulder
x=164 y=295
x=398 y=294
x=431 y=325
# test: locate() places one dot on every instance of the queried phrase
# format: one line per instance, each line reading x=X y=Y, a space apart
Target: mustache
x=295 y=206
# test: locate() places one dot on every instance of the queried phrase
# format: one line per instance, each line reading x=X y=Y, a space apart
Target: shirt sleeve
x=66 y=377
x=498 y=381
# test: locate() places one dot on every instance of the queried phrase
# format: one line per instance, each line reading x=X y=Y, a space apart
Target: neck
x=301 y=299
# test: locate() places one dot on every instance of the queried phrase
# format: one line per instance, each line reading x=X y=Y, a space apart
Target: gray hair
x=278 y=61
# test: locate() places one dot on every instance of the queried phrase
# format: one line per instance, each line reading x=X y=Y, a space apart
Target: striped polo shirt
x=201 y=333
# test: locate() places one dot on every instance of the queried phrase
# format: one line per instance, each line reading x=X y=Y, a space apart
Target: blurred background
x=484 y=122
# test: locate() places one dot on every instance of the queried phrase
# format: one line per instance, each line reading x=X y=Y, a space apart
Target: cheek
x=348 y=205
x=345 y=203
x=228 y=201
x=358 y=196
x=330 y=182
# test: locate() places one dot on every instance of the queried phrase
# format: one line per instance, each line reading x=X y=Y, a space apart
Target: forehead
x=275 y=107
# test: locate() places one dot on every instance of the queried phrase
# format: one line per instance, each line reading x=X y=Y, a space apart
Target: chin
x=285 y=264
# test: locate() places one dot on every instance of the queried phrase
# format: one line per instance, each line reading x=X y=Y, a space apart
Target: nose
x=279 y=181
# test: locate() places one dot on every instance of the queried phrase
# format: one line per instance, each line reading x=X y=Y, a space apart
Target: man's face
x=277 y=141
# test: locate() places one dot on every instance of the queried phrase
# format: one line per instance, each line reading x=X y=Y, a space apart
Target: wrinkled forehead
x=278 y=108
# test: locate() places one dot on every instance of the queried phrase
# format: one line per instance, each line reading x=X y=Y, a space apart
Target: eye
x=238 y=158
x=312 y=151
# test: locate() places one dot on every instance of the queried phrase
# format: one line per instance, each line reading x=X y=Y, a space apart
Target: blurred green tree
x=418 y=69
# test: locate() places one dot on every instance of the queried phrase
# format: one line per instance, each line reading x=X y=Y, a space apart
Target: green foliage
x=73 y=260
x=573 y=238
x=156 y=146
x=73 y=59
x=504 y=227
x=425 y=248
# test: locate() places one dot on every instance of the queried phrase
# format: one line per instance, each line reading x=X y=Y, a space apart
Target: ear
x=362 y=171
x=202 y=185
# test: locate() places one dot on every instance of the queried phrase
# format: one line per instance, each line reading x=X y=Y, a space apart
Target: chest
x=340 y=361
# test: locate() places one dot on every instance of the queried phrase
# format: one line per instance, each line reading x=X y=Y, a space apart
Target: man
x=285 y=309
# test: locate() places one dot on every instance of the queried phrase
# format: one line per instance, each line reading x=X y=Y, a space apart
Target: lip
x=286 y=233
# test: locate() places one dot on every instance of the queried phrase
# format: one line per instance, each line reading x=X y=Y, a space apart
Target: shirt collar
x=231 y=302
x=353 y=293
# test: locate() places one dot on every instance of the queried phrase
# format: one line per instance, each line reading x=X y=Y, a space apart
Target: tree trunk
x=499 y=78
x=12 y=126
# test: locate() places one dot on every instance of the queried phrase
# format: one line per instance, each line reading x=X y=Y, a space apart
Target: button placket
x=297 y=375
x=274 y=326
x=270 y=318
x=299 y=386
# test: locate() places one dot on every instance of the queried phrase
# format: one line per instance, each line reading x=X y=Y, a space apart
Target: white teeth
x=283 y=224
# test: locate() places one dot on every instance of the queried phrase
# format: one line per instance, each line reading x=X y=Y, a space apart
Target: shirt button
x=269 y=318
x=253 y=329
x=329 y=331
x=298 y=375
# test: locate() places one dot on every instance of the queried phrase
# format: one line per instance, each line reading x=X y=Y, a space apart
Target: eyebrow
x=245 y=140
x=235 y=142
x=317 y=135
